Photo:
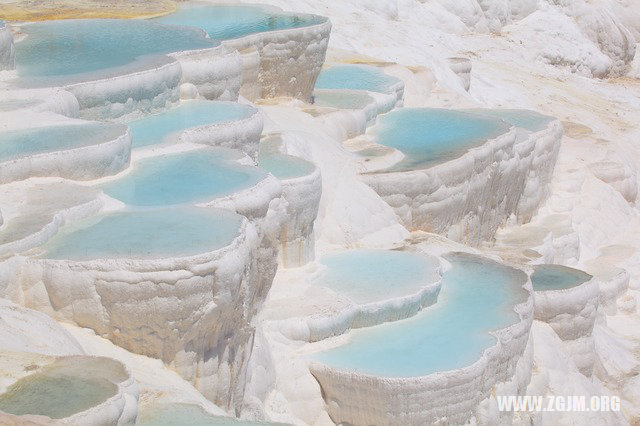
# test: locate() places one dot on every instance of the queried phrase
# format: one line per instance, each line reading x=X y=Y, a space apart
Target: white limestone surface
x=242 y=135
x=191 y=312
x=462 y=67
x=327 y=313
x=445 y=397
x=101 y=158
x=34 y=212
x=126 y=96
x=215 y=72
x=290 y=59
x=571 y=313
x=7 y=51
x=301 y=194
x=468 y=198
x=347 y=123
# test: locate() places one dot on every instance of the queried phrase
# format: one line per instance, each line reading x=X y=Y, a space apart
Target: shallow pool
x=187 y=414
x=366 y=276
x=159 y=128
x=429 y=136
x=77 y=50
x=57 y=392
x=341 y=99
x=477 y=296
x=557 y=277
x=21 y=143
x=356 y=77
x=522 y=118
x=187 y=177
x=223 y=22
x=145 y=234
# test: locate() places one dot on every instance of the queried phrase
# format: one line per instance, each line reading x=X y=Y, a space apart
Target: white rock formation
x=453 y=397
x=301 y=49
x=571 y=313
x=7 y=51
x=468 y=198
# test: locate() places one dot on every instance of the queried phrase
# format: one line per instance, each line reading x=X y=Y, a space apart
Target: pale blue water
x=21 y=143
x=87 y=49
x=223 y=22
x=523 y=118
x=355 y=77
x=187 y=177
x=56 y=395
x=366 y=276
x=155 y=129
x=285 y=166
x=341 y=100
x=144 y=234
x=557 y=277
x=430 y=136
x=477 y=297
x=187 y=414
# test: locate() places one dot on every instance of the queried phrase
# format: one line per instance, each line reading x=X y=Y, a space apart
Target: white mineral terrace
x=319 y=212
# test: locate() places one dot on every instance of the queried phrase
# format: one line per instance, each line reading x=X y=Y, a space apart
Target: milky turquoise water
x=54 y=394
x=87 y=49
x=145 y=234
x=355 y=77
x=341 y=99
x=224 y=22
x=188 y=415
x=366 y=276
x=429 y=136
x=477 y=297
x=187 y=177
x=21 y=143
x=285 y=166
x=523 y=118
x=158 y=128
x=557 y=277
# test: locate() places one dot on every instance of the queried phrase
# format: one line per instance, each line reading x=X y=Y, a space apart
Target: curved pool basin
x=342 y=99
x=366 y=276
x=429 y=136
x=31 y=141
x=146 y=234
x=64 y=388
x=78 y=50
x=223 y=22
x=522 y=118
x=187 y=177
x=356 y=77
x=557 y=277
x=477 y=297
x=159 y=128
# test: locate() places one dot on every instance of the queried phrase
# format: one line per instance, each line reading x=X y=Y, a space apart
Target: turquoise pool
x=366 y=276
x=428 y=136
x=477 y=296
x=341 y=99
x=522 y=118
x=78 y=50
x=161 y=233
x=187 y=177
x=223 y=22
x=557 y=277
x=158 y=128
x=355 y=77
x=25 y=142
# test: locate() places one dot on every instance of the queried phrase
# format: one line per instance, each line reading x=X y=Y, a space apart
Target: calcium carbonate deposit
x=373 y=212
